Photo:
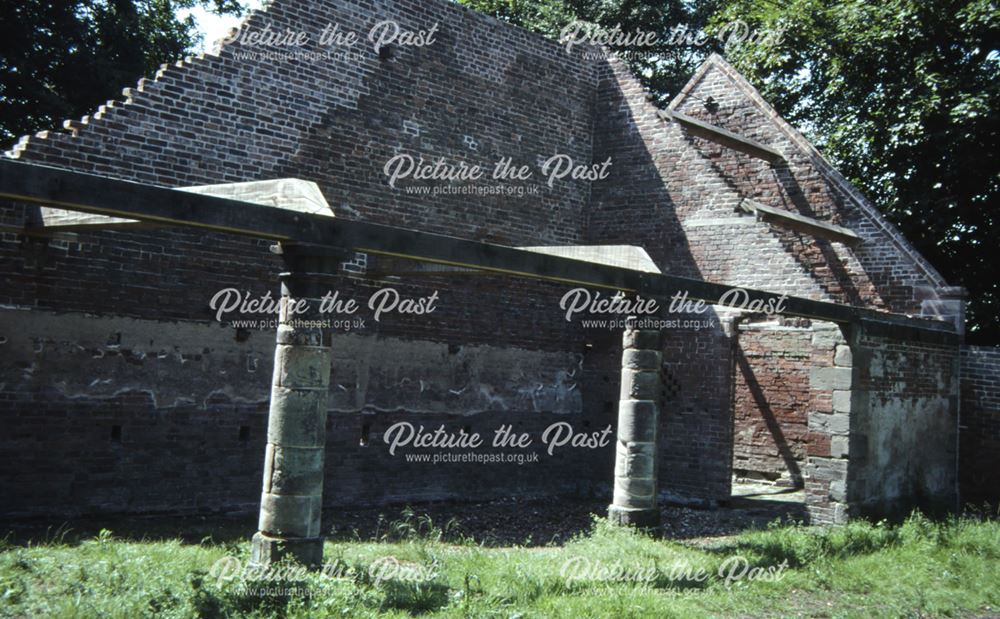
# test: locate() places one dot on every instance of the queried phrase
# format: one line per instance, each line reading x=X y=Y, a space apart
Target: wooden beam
x=288 y=193
x=105 y=196
x=726 y=138
x=801 y=223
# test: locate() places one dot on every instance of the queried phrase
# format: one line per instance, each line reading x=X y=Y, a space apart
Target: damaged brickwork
x=122 y=393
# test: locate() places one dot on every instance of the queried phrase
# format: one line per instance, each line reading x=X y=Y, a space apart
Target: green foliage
x=416 y=528
x=59 y=60
x=801 y=545
x=904 y=97
x=545 y=16
x=663 y=68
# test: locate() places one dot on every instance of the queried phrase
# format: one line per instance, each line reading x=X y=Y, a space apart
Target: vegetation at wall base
x=920 y=567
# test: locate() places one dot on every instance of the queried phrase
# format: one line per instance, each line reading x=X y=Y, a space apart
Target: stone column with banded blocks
x=636 y=464
x=292 y=497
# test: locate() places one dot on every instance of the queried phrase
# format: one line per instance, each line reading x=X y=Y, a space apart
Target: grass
x=411 y=567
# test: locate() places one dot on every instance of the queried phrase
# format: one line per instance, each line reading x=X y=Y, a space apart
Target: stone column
x=292 y=497
x=634 y=500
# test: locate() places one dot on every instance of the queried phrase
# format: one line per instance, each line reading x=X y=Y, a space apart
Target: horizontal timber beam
x=105 y=196
x=726 y=138
x=801 y=223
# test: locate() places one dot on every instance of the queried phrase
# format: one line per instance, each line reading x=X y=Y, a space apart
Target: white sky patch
x=213 y=27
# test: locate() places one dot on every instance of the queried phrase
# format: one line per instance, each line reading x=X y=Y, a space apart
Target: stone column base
x=266 y=550
x=628 y=516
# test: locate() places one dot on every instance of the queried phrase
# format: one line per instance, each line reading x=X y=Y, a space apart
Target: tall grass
x=921 y=567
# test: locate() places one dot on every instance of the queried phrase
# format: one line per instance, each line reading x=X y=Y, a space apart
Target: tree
x=543 y=16
x=663 y=68
x=60 y=60
x=904 y=97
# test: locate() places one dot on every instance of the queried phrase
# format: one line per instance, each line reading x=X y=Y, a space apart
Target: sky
x=214 y=27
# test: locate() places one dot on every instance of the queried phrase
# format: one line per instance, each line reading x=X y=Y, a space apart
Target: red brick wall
x=771 y=402
x=687 y=191
x=696 y=429
x=190 y=458
x=883 y=271
x=483 y=91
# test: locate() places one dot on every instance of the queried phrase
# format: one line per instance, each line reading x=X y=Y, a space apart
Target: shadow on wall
x=843 y=287
x=634 y=206
x=815 y=256
x=792 y=462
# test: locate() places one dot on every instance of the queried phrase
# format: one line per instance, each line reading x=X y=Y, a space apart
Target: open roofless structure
x=124 y=391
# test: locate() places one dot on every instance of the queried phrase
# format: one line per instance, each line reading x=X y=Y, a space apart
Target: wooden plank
x=288 y=193
x=801 y=223
x=727 y=138
x=624 y=256
x=57 y=219
x=104 y=196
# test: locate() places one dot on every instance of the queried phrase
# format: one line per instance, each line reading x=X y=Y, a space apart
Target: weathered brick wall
x=112 y=413
x=771 y=402
x=696 y=428
x=152 y=362
x=227 y=119
x=127 y=453
x=482 y=90
x=883 y=271
x=904 y=425
x=695 y=433
x=979 y=447
x=359 y=474
x=687 y=190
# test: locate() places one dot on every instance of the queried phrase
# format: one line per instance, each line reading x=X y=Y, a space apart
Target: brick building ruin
x=122 y=392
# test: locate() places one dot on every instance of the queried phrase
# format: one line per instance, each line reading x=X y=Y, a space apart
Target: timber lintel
x=801 y=223
x=726 y=138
